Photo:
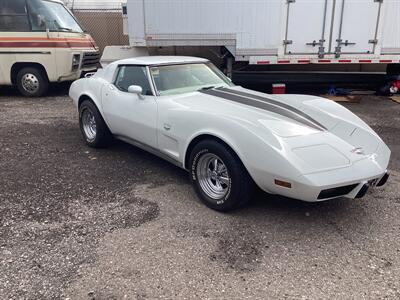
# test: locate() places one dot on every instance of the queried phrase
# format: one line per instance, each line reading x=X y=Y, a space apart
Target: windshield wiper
x=59 y=27
x=207 y=88
x=64 y=28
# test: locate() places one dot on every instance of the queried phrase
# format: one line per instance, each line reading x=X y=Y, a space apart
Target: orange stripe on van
x=42 y=39
x=46 y=44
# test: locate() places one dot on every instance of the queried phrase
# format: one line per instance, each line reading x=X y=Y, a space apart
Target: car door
x=131 y=115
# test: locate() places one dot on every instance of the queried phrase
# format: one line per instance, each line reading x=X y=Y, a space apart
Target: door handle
x=167 y=126
x=315 y=43
x=345 y=43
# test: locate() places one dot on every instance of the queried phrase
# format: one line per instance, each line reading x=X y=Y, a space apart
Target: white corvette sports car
x=185 y=110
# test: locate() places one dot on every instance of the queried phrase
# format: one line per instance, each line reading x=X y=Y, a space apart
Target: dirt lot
x=119 y=223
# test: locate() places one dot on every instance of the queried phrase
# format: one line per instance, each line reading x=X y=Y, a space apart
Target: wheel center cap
x=214 y=175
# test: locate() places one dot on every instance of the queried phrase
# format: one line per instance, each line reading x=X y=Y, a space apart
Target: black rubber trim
x=383 y=180
x=363 y=191
x=337 y=191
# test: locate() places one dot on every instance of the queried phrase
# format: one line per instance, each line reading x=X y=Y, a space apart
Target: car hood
x=303 y=125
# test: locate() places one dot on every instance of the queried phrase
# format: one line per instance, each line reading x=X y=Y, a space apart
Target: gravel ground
x=119 y=223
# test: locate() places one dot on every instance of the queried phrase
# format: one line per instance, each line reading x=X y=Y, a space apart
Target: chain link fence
x=103 y=21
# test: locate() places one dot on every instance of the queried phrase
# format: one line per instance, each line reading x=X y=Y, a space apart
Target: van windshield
x=51 y=15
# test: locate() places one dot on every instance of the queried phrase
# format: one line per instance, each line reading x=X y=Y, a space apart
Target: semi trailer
x=279 y=40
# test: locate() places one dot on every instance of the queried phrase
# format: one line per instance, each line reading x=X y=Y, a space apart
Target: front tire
x=31 y=82
x=93 y=128
x=219 y=177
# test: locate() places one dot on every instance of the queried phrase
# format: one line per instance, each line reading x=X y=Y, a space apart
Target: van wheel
x=31 y=82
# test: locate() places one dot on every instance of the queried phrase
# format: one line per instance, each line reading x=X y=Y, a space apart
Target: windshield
x=51 y=15
x=185 y=78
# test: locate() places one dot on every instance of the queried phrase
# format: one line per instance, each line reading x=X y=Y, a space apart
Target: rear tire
x=32 y=82
x=219 y=177
x=93 y=128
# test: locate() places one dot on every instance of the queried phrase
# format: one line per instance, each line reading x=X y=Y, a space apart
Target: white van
x=41 y=42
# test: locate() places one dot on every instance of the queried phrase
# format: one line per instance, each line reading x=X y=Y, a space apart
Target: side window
x=39 y=16
x=133 y=75
x=13 y=16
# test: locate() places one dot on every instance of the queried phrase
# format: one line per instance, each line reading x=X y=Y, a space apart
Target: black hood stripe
x=250 y=101
x=274 y=102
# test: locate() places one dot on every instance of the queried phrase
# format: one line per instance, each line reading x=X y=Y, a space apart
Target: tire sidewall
x=43 y=82
x=103 y=134
x=230 y=200
x=88 y=106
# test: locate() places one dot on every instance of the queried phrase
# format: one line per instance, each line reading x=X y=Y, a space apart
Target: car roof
x=159 y=60
x=108 y=72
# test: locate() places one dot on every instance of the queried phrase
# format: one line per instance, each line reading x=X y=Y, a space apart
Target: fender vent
x=337 y=191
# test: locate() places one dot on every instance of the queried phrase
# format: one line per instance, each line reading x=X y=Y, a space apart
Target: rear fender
x=87 y=88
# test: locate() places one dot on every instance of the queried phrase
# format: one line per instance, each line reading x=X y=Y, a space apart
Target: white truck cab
x=41 y=42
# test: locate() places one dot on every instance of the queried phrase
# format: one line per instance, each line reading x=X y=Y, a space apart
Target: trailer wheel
x=31 y=82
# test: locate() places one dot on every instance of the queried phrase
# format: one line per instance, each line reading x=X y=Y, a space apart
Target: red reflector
x=365 y=60
x=278 y=88
x=283 y=183
x=263 y=62
x=345 y=60
x=303 y=61
x=324 y=61
x=383 y=61
x=283 y=61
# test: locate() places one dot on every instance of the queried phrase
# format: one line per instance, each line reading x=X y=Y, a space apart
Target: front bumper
x=377 y=182
x=355 y=189
x=350 y=182
x=77 y=74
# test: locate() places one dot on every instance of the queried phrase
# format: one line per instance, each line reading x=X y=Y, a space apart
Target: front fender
x=261 y=152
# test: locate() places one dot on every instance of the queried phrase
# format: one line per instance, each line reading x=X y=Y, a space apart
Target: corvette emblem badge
x=358 y=150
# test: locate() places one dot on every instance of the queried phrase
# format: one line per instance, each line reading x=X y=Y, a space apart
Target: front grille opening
x=337 y=191
x=90 y=59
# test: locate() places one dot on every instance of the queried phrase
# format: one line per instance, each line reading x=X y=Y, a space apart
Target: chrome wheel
x=30 y=83
x=213 y=176
x=89 y=124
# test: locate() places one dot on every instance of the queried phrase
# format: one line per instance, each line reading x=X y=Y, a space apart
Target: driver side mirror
x=136 y=89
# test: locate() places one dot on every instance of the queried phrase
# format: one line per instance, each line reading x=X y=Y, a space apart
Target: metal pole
x=229 y=66
x=339 y=40
x=332 y=24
